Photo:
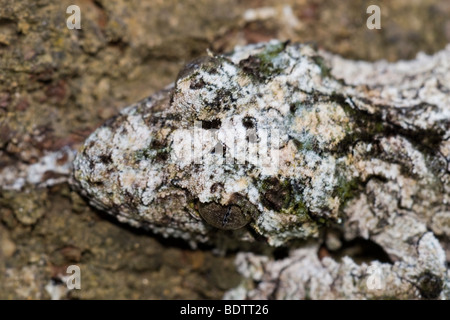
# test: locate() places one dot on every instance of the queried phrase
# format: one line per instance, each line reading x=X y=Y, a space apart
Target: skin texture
x=58 y=85
x=359 y=147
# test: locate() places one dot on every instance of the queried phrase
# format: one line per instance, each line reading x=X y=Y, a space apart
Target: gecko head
x=227 y=121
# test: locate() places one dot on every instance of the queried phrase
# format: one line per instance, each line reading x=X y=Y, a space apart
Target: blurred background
x=57 y=85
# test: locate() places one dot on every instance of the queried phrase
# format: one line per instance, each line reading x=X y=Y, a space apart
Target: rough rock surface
x=57 y=85
x=271 y=145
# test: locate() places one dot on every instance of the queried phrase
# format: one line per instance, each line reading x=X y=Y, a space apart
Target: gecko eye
x=229 y=217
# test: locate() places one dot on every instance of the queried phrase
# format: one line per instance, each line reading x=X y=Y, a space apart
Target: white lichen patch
x=52 y=168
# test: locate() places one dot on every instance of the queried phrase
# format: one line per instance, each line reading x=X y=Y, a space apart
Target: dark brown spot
x=251 y=66
x=62 y=159
x=162 y=156
x=110 y=121
x=193 y=66
x=215 y=187
x=211 y=124
x=197 y=84
x=430 y=285
x=292 y=107
x=249 y=122
x=105 y=158
x=157 y=144
x=52 y=175
x=277 y=195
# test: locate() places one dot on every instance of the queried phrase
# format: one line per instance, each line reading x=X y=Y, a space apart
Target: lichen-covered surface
x=57 y=85
x=145 y=167
x=369 y=157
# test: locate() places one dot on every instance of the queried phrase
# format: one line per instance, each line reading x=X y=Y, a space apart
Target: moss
x=362 y=126
x=142 y=154
x=275 y=194
x=266 y=57
x=325 y=71
x=152 y=154
x=279 y=196
x=309 y=144
x=261 y=66
x=346 y=189
x=298 y=208
x=371 y=123
x=378 y=127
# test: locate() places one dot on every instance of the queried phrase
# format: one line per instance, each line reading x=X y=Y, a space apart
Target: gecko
x=278 y=143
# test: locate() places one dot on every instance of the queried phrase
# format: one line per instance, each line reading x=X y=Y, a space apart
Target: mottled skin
x=369 y=154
